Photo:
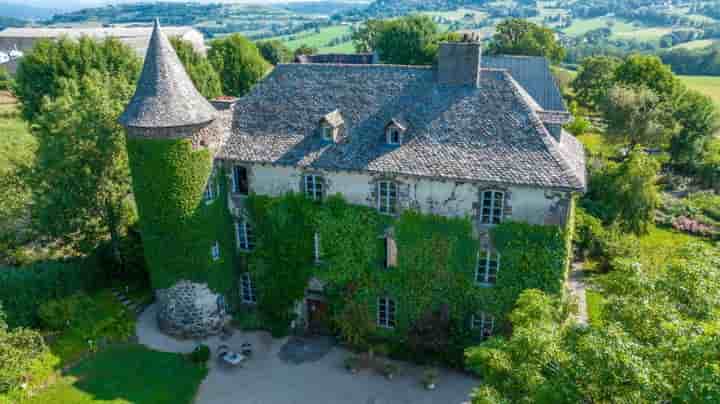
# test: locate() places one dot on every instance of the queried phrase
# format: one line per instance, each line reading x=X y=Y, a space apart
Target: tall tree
x=198 y=67
x=634 y=192
x=81 y=182
x=521 y=37
x=595 y=77
x=238 y=62
x=648 y=71
x=637 y=116
x=698 y=119
x=41 y=70
x=408 y=40
x=365 y=37
x=274 y=51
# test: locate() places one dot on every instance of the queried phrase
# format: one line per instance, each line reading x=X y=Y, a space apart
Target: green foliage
x=198 y=67
x=521 y=37
x=178 y=227
x=698 y=119
x=23 y=290
x=5 y=79
x=81 y=181
x=657 y=341
x=41 y=71
x=24 y=359
x=274 y=51
x=435 y=267
x=650 y=72
x=305 y=49
x=595 y=77
x=127 y=373
x=201 y=354
x=637 y=116
x=238 y=62
x=60 y=314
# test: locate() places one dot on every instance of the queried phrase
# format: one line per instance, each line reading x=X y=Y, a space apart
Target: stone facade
x=190 y=310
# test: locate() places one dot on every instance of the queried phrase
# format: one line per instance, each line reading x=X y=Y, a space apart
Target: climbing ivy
x=435 y=269
x=178 y=227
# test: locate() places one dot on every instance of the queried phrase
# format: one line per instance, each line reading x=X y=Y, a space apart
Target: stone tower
x=187 y=248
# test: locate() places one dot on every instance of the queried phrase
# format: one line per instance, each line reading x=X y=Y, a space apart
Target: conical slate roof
x=165 y=96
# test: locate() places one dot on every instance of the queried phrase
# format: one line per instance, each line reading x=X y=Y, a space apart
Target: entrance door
x=318 y=317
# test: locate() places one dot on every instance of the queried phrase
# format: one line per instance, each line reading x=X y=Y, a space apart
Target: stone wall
x=190 y=310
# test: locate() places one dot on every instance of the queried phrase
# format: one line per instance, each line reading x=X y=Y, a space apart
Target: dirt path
x=576 y=283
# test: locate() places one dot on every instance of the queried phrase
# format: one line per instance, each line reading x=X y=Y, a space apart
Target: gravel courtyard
x=270 y=377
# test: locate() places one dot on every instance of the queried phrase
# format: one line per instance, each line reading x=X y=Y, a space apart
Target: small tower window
x=215 y=251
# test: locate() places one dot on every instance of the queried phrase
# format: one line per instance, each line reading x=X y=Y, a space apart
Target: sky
x=91 y=3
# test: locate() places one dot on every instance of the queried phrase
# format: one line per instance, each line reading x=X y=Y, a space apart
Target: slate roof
x=534 y=75
x=339 y=58
x=165 y=96
x=486 y=134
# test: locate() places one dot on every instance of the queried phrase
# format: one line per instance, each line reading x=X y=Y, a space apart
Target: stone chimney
x=459 y=62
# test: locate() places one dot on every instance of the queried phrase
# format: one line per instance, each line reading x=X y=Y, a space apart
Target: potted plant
x=430 y=378
x=352 y=363
x=389 y=370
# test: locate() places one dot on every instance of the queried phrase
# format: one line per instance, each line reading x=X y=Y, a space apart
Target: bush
x=579 y=126
x=24 y=289
x=5 y=79
x=201 y=354
x=25 y=360
x=61 y=314
x=589 y=233
x=616 y=246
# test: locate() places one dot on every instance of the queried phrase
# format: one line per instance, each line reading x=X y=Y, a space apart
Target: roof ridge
x=547 y=139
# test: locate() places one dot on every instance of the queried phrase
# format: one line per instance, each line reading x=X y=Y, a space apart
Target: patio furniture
x=246 y=349
x=229 y=357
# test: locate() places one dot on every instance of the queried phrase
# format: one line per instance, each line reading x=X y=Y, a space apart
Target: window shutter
x=391 y=247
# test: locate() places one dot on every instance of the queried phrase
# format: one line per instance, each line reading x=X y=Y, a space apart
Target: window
x=394 y=137
x=247 y=289
x=244 y=235
x=215 y=251
x=483 y=323
x=316 y=247
x=314 y=187
x=327 y=133
x=386 y=313
x=241 y=185
x=210 y=191
x=486 y=270
x=491 y=211
x=387 y=193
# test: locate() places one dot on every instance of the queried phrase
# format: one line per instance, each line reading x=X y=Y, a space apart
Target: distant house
x=137 y=38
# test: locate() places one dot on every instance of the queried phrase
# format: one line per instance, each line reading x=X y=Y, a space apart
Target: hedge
x=24 y=289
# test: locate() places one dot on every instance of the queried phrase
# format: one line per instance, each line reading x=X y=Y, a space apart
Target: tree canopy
x=595 y=77
x=238 y=62
x=521 y=37
x=274 y=51
x=409 y=40
x=198 y=67
x=41 y=71
x=81 y=181
x=637 y=116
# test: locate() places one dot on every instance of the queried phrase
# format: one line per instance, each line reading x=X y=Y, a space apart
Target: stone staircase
x=135 y=306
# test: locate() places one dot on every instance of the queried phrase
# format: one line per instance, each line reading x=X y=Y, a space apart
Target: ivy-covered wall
x=435 y=262
x=178 y=227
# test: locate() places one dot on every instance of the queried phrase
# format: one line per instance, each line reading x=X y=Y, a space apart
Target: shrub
x=5 y=79
x=579 y=126
x=61 y=314
x=352 y=363
x=589 y=233
x=616 y=245
x=201 y=354
x=25 y=360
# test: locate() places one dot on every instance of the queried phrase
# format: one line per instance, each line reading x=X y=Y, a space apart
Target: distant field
x=708 y=85
x=16 y=143
x=694 y=45
x=320 y=39
x=581 y=26
x=642 y=34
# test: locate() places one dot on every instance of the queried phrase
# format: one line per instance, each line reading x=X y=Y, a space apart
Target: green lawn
x=708 y=85
x=643 y=34
x=16 y=143
x=661 y=245
x=318 y=40
x=594 y=302
x=694 y=45
x=127 y=374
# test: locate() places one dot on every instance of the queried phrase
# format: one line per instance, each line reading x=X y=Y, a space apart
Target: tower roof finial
x=165 y=96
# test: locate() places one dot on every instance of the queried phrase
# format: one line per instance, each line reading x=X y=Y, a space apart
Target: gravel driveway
x=268 y=379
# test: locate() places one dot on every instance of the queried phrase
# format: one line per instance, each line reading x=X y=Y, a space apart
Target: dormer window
x=394 y=132
x=332 y=126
